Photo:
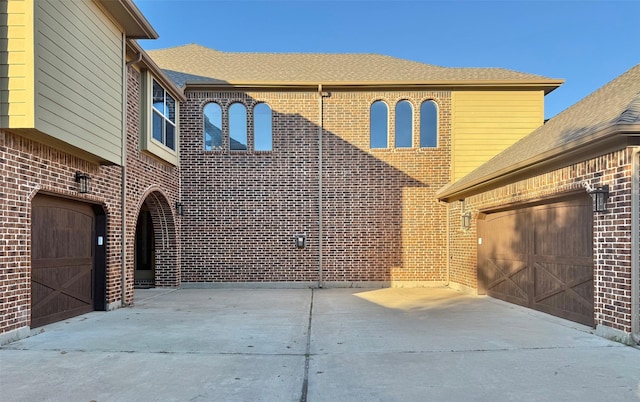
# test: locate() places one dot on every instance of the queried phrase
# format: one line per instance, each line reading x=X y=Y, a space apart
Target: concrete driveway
x=317 y=345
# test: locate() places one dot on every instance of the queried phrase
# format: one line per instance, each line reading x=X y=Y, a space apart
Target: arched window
x=428 y=124
x=379 y=125
x=262 y=135
x=212 y=127
x=238 y=127
x=404 y=124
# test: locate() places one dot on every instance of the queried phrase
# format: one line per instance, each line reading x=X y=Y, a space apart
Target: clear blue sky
x=587 y=43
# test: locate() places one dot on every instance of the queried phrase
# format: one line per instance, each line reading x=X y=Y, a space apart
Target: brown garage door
x=62 y=259
x=540 y=257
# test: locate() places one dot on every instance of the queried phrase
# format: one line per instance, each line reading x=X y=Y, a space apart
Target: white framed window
x=160 y=134
x=164 y=117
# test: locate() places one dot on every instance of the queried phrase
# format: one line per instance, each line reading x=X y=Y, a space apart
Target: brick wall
x=611 y=230
x=28 y=167
x=155 y=183
x=381 y=219
x=242 y=208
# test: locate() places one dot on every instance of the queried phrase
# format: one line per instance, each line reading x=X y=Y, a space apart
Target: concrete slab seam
x=307 y=355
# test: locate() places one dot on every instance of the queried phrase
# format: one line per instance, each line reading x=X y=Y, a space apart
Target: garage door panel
x=549 y=276
x=578 y=297
x=508 y=237
x=508 y=278
x=57 y=312
x=62 y=259
x=555 y=227
x=75 y=278
x=553 y=243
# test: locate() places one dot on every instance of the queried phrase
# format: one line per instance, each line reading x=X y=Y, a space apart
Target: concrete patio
x=317 y=345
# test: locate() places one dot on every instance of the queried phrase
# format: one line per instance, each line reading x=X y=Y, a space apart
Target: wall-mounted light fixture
x=599 y=196
x=465 y=216
x=300 y=240
x=82 y=180
x=465 y=220
x=179 y=209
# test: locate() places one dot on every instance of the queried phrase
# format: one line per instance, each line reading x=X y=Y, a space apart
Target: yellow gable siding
x=78 y=59
x=16 y=57
x=484 y=123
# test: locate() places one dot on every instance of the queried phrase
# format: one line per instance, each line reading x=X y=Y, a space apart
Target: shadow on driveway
x=317 y=345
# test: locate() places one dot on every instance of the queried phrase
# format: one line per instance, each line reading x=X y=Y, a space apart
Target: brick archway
x=166 y=253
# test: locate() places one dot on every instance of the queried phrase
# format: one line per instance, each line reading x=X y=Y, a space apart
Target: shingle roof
x=616 y=103
x=195 y=63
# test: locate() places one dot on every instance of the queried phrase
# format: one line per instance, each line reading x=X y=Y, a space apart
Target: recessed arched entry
x=145 y=250
x=68 y=259
x=155 y=245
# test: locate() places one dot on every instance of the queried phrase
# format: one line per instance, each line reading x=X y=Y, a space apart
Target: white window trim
x=149 y=144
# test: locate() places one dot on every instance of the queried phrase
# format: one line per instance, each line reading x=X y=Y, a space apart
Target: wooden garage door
x=62 y=259
x=541 y=257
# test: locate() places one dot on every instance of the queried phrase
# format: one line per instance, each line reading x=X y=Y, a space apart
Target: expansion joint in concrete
x=307 y=354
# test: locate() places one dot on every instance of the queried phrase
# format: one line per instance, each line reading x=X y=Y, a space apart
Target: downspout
x=136 y=61
x=320 y=187
x=635 y=246
x=123 y=213
x=448 y=252
x=123 y=164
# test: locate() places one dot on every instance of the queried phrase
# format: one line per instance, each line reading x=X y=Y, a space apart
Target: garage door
x=62 y=259
x=540 y=257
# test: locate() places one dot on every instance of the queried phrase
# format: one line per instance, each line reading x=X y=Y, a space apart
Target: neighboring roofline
x=607 y=139
x=546 y=85
x=160 y=75
x=126 y=13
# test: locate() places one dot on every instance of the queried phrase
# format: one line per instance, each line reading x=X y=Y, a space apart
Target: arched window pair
x=379 y=124
x=262 y=127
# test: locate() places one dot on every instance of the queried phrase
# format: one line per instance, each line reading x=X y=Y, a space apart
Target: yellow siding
x=78 y=76
x=486 y=122
x=16 y=64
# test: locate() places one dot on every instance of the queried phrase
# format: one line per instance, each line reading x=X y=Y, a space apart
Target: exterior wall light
x=465 y=220
x=179 y=209
x=600 y=196
x=300 y=240
x=82 y=180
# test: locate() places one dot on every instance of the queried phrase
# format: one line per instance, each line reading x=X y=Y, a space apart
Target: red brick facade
x=370 y=216
x=380 y=220
x=611 y=230
x=155 y=183
x=28 y=168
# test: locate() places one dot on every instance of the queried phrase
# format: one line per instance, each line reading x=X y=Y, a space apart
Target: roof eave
x=126 y=13
x=608 y=138
x=546 y=85
x=148 y=63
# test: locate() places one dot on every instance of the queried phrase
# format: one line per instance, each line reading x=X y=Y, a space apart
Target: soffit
x=135 y=24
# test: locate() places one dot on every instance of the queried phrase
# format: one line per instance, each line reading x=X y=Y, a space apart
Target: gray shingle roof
x=616 y=103
x=195 y=63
